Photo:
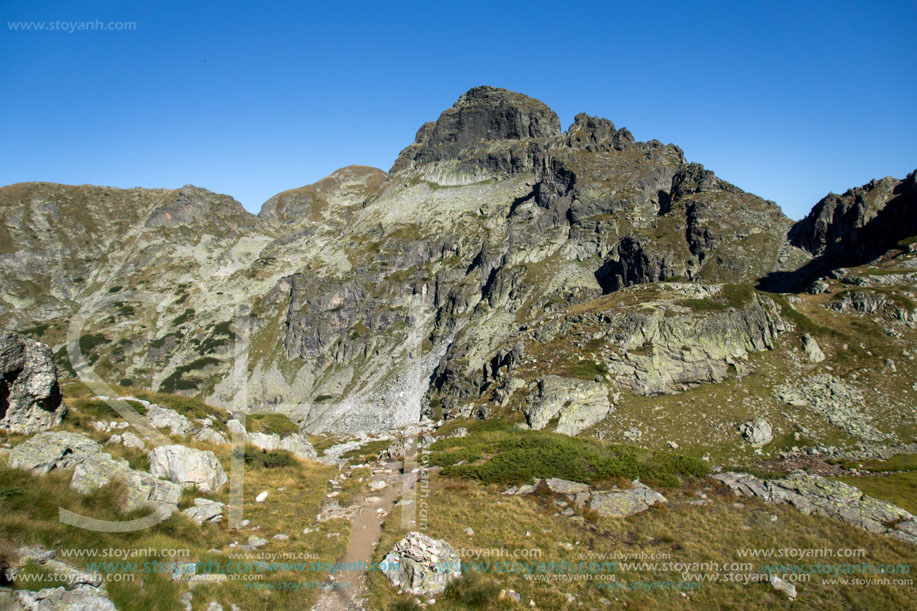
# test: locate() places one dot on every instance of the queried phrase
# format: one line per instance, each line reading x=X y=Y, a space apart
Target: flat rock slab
x=623 y=503
x=53 y=451
x=813 y=494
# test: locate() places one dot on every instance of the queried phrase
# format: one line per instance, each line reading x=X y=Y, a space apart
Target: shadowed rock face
x=851 y=229
x=862 y=223
x=30 y=400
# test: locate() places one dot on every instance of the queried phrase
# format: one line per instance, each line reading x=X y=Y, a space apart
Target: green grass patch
x=184 y=317
x=702 y=305
x=367 y=451
x=802 y=322
x=737 y=295
x=898 y=488
x=267 y=459
x=506 y=455
x=584 y=370
x=898 y=462
x=270 y=424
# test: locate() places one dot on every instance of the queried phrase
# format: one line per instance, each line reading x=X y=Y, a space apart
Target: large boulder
x=142 y=488
x=264 y=441
x=296 y=443
x=757 y=432
x=812 y=349
x=53 y=451
x=30 y=399
x=188 y=466
x=422 y=565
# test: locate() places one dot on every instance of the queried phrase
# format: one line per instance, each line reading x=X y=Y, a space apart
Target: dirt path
x=365 y=531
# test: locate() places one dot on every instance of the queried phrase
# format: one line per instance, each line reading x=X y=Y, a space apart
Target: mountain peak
x=481 y=115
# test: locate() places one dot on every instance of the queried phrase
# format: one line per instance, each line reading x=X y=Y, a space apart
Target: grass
x=176 y=380
x=803 y=323
x=675 y=533
x=898 y=488
x=267 y=459
x=511 y=456
x=29 y=515
x=367 y=451
x=584 y=370
x=270 y=423
x=898 y=462
x=702 y=305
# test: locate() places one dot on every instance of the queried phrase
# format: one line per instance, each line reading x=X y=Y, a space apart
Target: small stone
x=261 y=497
x=783 y=586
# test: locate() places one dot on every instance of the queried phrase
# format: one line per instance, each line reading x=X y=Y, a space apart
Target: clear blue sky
x=788 y=100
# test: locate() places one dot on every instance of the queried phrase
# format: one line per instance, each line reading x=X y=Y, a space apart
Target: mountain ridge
x=373 y=298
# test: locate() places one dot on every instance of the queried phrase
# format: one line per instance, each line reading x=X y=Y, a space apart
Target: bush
x=266 y=459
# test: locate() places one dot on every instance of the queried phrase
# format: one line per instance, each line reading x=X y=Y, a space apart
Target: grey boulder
x=757 y=432
x=80 y=598
x=205 y=511
x=188 y=467
x=142 y=488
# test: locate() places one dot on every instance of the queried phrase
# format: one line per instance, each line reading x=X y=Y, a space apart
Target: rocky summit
x=519 y=338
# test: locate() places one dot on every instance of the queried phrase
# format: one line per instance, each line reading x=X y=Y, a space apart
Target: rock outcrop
x=294 y=443
x=813 y=494
x=851 y=229
x=30 y=400
x=465 y=133
x=861 y=224
x=578 y=404
x=609 y=503
x=80 y=598
x=188 y=467
x=52 y=451
x=143 y=489
x=623 y=503
x=422 y=565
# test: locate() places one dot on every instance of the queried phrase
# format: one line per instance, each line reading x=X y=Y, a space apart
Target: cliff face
x=348 y=297
x=862 y=223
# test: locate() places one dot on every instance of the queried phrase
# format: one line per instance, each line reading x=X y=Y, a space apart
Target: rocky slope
x=365 y=300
